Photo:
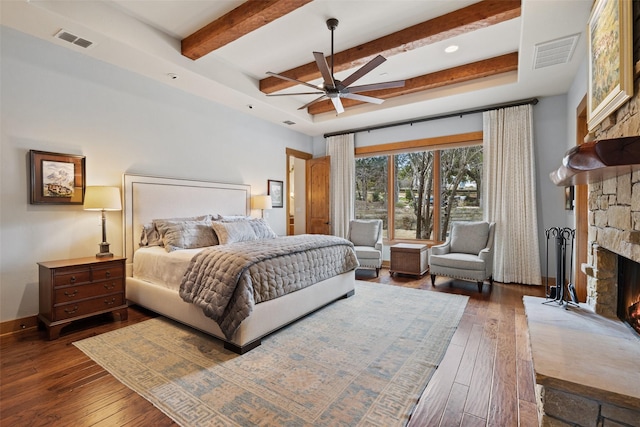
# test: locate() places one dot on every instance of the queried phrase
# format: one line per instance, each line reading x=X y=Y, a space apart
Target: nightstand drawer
x=114 y=272
x=72 y=277
x=95 y=305
x=75 y=293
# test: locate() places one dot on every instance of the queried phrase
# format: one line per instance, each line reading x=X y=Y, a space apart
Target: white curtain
x=342 y=183
x=510 y=193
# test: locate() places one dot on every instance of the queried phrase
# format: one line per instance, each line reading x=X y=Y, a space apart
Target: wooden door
x=581 y=212
x=318 y=202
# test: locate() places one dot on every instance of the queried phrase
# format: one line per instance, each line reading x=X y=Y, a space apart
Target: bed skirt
x=266 y=317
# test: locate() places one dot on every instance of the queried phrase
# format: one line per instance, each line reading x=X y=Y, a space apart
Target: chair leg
x=433 y=280
x=480 y=286
x=377 y=272
x=490 y=280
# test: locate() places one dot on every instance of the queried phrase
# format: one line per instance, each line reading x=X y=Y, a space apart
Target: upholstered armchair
x=467 y=254
x=366 y=236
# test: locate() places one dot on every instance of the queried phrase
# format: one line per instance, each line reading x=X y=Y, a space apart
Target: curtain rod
x=532 y=101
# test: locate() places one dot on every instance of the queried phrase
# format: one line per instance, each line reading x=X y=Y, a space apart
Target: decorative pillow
x=364 y=232
x=150 y=236
x=232 y=218
x=186 y=234
x=231 y=232
x=262 y=229
x=469 y=237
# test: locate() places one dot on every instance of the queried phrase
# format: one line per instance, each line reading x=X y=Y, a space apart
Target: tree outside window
x=452 y=176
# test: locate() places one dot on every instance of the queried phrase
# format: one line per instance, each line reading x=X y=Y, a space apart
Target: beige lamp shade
x=102 y=199
x=262 y=202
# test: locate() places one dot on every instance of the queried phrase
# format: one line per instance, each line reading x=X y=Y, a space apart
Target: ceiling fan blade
x=362 y=98
x=364 y=70
x=297 y=93
x=337 y=104
x=312 y=102
x=321 y=61
x=376 y=86
x=300 y=82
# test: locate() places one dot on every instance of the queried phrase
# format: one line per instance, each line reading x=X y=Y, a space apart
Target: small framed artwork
x=275 y=190
x=568 y=198
x=610 y=32
x=56 y=179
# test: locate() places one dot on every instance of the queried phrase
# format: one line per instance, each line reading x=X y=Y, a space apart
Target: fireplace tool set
x=563 y=239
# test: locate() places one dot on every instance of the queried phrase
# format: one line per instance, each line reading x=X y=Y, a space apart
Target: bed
x=147 y=198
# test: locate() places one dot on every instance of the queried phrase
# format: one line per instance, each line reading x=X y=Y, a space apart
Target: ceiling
x=499 y=42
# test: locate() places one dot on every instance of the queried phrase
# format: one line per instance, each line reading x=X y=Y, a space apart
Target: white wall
x=54 y=99
x=550 y=135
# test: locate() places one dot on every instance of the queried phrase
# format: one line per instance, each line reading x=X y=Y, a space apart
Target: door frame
x=581 y=215
x=299 y=155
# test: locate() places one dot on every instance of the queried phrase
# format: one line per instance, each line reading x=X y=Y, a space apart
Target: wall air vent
x=72 y=38
x=554 y=52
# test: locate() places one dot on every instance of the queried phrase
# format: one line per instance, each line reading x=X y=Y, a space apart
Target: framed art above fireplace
x=610 y=33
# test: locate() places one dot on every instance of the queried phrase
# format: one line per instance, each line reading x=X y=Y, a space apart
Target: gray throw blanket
x=226 y=281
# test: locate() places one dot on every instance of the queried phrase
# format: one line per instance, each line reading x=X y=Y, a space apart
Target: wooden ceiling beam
x=461 y=74
x=247 y=17
x=465 y=20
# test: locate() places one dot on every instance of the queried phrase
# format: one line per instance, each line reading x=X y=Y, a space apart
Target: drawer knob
x=71 y=294
x=108 y=274
x=72 y=279
x=71 y=311
x=109 y=286
x=107 y=302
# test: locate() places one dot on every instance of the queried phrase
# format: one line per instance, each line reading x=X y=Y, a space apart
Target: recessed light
x=451 y=49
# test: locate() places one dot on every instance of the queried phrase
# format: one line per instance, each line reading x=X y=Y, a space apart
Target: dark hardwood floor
x=485 y=378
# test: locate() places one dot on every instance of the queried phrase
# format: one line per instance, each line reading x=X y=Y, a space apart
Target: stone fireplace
x=614 y=230
x=614 y=205
x=586 y=360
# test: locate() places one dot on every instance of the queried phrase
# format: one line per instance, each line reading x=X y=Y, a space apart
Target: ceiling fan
x=334 y=89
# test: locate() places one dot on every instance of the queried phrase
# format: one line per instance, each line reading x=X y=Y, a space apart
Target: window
x=432 y=185
x=371 y=189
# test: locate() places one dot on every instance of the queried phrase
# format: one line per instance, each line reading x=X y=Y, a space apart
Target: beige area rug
x=363 y=360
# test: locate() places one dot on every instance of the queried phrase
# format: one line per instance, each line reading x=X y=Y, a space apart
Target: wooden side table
x=409 y=258
x=73 y=289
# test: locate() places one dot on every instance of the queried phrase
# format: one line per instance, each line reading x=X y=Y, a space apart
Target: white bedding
x=156 y=265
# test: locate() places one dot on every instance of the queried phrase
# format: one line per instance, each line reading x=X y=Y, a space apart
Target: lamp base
x=104 y=251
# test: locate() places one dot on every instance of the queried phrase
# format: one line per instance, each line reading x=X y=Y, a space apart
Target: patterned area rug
x=363 y=360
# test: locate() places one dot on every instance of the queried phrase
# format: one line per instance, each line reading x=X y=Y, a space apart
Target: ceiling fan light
x=452 y=48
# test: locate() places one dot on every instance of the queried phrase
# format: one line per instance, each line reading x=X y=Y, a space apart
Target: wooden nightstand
x=409 y=258
x=73 y=289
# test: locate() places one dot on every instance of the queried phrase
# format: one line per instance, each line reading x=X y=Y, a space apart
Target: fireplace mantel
x=597 y=160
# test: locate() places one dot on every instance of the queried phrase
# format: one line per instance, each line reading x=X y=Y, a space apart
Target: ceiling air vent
x=289 y=122
x=72 y=38
x=554 y=52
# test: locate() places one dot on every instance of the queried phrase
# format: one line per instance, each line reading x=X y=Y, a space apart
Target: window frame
x=435 y=144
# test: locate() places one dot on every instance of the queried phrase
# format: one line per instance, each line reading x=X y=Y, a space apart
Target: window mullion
x=436 y=196
x=391 y=197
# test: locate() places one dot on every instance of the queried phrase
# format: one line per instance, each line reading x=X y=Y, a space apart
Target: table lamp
x=102 y=199
x=262 y=203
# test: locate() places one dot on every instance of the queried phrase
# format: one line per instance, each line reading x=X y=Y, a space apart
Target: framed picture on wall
x=568 y=198
x=610 y=32
x=275 y=190
x=56 y=179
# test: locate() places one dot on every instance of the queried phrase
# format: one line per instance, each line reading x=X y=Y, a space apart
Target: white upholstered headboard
x=151 y=197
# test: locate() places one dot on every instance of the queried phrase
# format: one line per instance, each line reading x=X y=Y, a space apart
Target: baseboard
x=17 y=325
